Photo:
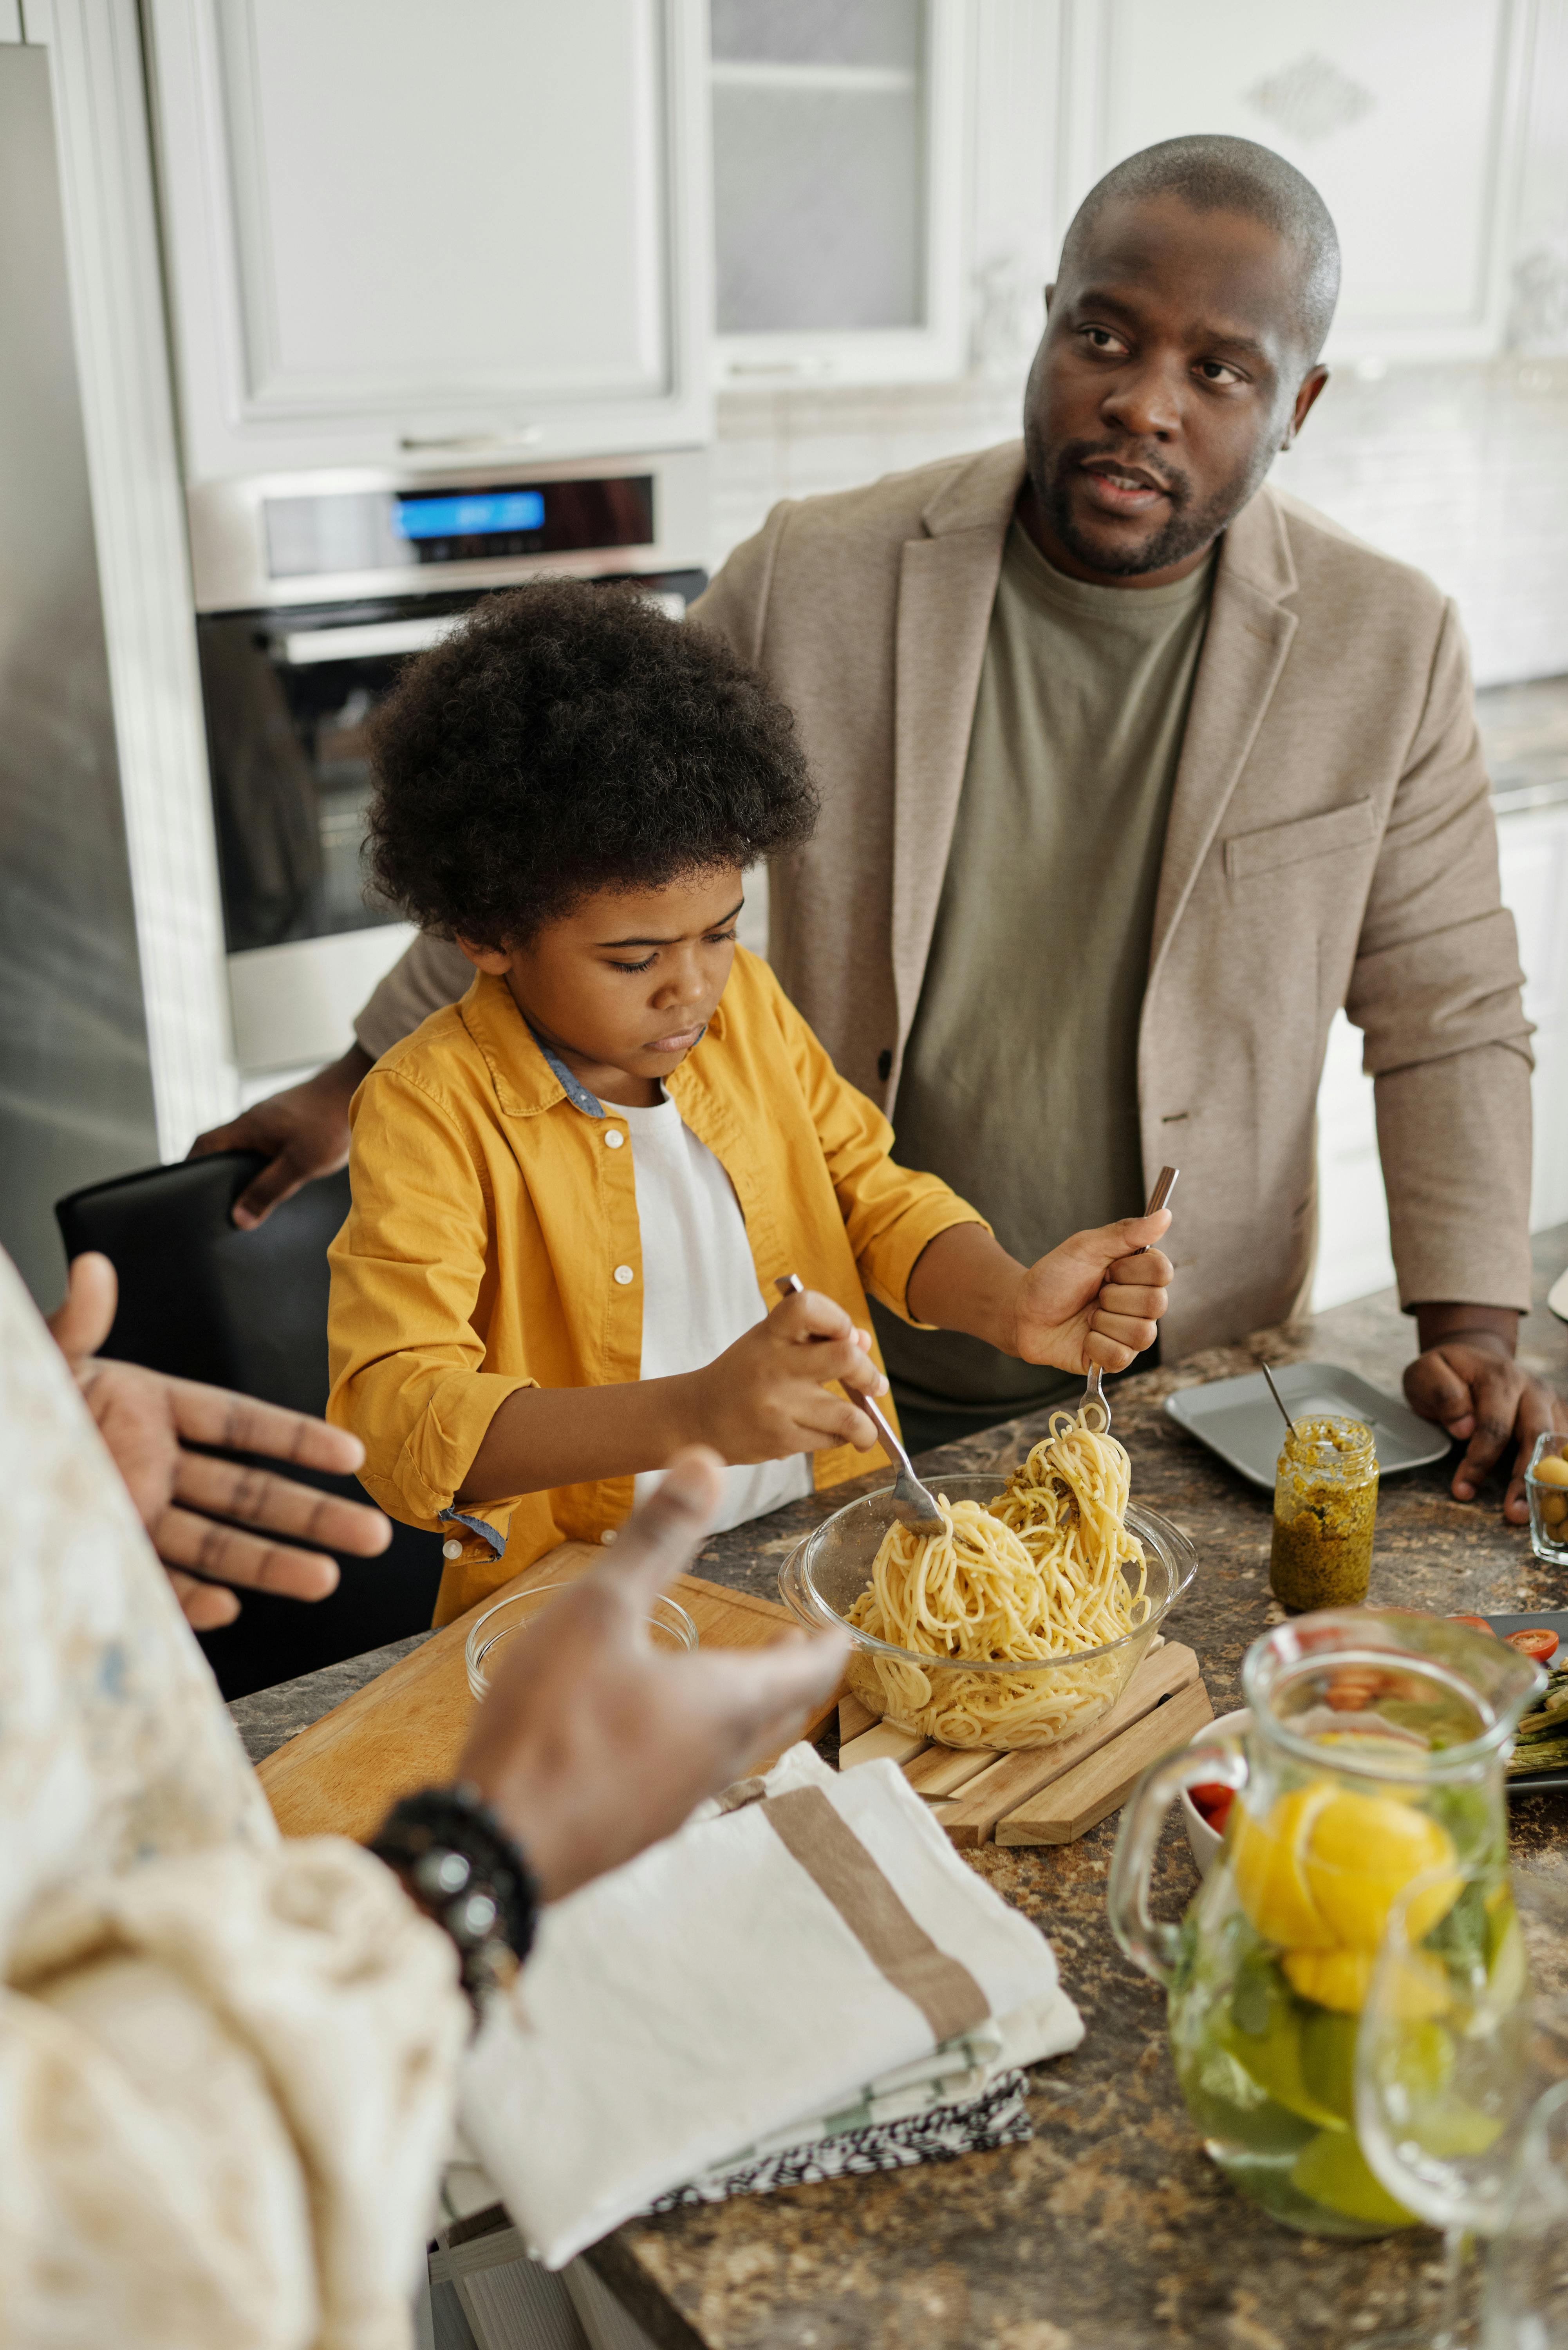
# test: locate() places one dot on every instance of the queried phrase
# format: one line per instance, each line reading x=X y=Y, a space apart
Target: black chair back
x=203 y=1300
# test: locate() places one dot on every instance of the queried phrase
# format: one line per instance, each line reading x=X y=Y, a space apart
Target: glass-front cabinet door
x=840 y=189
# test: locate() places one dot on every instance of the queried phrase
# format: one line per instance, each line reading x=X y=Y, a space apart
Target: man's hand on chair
x=302 y=1132
x=148 y=1420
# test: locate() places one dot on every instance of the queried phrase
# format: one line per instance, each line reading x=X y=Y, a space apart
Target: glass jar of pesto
x=1325 y=1506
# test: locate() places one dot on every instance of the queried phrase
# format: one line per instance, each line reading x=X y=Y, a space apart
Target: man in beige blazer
x=1134 y=771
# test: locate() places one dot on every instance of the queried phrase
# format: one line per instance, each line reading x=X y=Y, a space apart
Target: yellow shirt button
x=608 y=1534
x=614 y=1138
x=623 y=1273
x=451 y=1550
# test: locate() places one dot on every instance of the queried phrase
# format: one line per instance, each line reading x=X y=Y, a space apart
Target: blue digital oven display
x=479 y=517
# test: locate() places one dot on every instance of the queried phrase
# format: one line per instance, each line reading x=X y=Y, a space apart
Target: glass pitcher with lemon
x=1373 y=1756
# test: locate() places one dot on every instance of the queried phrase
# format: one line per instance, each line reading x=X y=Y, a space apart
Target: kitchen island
x=1110 y=2230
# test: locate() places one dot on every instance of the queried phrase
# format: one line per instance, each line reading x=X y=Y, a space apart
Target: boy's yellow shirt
x=490 y=1220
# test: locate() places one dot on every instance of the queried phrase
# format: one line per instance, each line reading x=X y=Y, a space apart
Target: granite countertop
x=1110 y=2230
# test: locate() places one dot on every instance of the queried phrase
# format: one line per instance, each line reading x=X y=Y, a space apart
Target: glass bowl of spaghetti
x=1019 y=1624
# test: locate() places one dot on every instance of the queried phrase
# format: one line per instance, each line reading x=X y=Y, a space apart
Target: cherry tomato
x=1212 y=1802
x=1477 y=1624
x=1534 y=1640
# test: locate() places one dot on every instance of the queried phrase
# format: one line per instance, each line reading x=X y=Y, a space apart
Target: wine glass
x=1525 y=2299
x=1464 y=2026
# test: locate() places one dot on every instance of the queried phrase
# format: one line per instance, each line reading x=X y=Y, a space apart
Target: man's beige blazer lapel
x=1244 y=650
x=947 y=586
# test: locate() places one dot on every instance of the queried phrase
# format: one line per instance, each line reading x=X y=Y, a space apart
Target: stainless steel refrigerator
x=76 y=1097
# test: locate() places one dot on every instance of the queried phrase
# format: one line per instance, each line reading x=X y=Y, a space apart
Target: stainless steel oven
x=311 y=591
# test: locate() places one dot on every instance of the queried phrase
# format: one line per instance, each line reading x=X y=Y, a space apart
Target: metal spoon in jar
x=911 y=1504
x=1279 y=1399
x=1093 y=1399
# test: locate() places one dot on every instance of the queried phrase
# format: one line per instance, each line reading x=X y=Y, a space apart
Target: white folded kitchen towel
x=820 y=1947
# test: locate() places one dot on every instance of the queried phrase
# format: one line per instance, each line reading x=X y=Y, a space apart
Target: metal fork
x=909 y=1502
x=1094 y=1396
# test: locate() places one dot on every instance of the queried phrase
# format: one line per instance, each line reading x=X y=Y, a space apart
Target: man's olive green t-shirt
x=1020 y=1083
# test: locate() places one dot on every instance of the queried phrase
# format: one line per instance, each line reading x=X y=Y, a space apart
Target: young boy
x=575 y=1191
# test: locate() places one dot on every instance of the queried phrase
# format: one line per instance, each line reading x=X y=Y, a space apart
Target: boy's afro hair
x=566 y=739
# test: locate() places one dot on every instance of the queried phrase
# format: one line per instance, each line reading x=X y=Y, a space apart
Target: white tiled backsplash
x=1460 y=468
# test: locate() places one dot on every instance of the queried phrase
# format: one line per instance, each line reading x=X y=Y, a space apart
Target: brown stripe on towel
x=834 y=1858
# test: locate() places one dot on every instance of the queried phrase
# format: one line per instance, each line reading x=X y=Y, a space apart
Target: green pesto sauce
x=1325 y=1508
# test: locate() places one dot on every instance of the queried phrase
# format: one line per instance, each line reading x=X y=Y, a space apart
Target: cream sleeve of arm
x=426 y=978
x=1454 y=1137
x=228 y=2081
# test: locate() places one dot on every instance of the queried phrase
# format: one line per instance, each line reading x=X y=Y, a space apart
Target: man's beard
x=1187 y=529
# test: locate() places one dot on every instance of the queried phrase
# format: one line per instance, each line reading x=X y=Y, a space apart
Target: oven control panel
x=259 y=543
x=400 y=530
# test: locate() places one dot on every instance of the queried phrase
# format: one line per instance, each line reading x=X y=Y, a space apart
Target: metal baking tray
x=1556 y=1620
x=1239 y=1419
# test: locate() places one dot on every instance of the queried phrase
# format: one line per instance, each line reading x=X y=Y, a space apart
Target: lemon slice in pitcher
x=1361 y=1853
x=1267 y=1857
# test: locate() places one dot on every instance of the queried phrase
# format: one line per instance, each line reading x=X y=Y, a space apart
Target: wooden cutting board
x=1014 y=1798
x=406 y=1730
x=1074 y=1804
x=984 y=1806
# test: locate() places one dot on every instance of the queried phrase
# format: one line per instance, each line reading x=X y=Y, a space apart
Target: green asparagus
x=1541 y=1742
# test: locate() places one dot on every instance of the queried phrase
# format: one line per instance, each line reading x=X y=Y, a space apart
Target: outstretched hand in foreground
x=593 y=1743
x=148 y=1420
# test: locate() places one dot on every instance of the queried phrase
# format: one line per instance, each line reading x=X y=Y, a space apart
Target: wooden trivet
x=1047 y=1794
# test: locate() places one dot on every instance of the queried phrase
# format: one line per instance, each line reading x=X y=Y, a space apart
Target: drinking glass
x=1525 y=2295
x=667 y=1624
x=1464 y=2026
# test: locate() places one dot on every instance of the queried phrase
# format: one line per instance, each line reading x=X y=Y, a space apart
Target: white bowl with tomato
x=1206 y=1807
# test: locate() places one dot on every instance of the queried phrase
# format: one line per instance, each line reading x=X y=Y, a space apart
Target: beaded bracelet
x=464 y=1871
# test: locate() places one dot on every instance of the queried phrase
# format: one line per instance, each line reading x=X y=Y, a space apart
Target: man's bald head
x=1212 y=173
x=1197 y=284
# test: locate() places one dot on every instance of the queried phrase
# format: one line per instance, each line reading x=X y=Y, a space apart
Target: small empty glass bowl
x=822 y=1579
x=668 y=1626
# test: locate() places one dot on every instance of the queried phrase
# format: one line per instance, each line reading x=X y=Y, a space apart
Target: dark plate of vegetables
x=1539 y=1758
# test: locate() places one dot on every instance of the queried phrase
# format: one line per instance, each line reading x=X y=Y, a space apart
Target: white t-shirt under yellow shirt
x=700 y=1287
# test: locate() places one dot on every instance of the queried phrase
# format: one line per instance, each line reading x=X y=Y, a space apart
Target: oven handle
x=372 y=639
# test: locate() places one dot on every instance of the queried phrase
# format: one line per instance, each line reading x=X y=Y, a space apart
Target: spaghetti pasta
x=1048 y=1570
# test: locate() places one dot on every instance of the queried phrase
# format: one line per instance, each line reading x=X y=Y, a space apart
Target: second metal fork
x=1093 y=1399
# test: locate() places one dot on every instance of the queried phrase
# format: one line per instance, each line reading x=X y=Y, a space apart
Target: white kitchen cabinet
x=1353 y=1257
x=399 y=232
x=841 y=192
x=1532 y=843
x=1416 y=120
x=1406 y=116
